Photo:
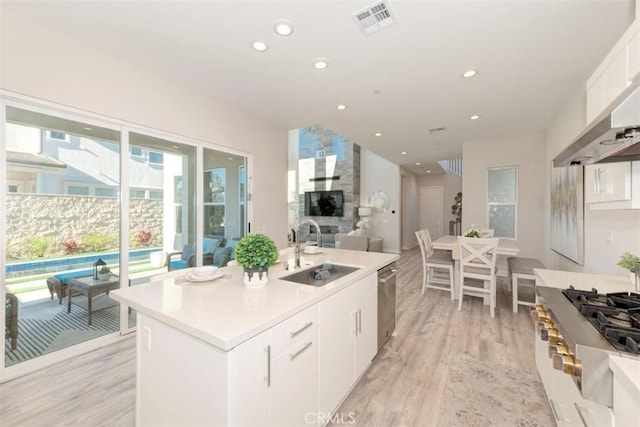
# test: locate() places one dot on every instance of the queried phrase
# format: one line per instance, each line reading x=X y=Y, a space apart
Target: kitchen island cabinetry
x=219 y=354
x=348 y=340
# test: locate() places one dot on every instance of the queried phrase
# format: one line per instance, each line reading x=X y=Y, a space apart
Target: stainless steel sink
x=319 y=276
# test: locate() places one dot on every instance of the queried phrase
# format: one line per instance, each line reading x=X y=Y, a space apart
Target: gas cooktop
x=615 y=315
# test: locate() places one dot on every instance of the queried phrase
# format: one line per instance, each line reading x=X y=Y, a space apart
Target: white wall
x=410 y=209
x=378 y=174
x=600 y=255
x=44 y=64
x=527 y=153
x=451 y=185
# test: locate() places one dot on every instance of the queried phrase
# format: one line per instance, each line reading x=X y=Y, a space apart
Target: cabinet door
x=615 y=77
x=248 y=386
x=293 y=393
x=608 y=182
x=595 y=99
x=366 y=342
x=336 y=360
x=633 y=57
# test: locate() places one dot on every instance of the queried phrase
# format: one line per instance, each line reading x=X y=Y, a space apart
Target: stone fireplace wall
x=327 y=161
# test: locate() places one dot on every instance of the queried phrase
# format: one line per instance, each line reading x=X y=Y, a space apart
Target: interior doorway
x=431 y=210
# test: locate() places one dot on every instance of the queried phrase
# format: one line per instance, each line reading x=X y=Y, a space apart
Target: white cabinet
x=348 y=340
x=613 y=185
x=633 y=57
x=249 y=377
x=616 y=72
x=294 y=374
x=293 y=387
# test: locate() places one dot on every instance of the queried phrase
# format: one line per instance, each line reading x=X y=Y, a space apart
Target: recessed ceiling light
x=87 y=128
x=378 y=133
x=320 y=64
x=259 y=46
x=403 y=153
x=283 y=27
x=469 y=73
x=341 y=107
x=428 y=171
x=418 y=163
x=474 y=117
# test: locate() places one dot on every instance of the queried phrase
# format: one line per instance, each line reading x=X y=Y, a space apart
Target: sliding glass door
x=85 y=194
x=62 y=216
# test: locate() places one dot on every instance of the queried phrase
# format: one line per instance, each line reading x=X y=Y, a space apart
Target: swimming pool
x=55 y=265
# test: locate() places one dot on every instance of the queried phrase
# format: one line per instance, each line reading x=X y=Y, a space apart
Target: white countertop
x=225 y=313
x=583 y=281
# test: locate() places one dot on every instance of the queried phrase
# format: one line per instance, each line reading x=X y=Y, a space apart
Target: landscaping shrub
x=143 y=238
x=70 y=245
x=37 y=245
x=98 y=242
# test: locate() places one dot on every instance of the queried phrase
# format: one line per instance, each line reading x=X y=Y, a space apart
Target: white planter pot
x=104 y=276
x=158 y=259
x=255 y=278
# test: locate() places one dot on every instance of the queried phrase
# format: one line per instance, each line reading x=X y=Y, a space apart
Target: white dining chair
x=437 y=266
x=478 y=262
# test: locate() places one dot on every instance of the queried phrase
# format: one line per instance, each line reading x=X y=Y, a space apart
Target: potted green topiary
x=256 y=252
x=628 y=261
x=104 y=273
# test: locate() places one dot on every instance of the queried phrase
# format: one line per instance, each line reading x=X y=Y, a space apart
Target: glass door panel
x=225 y=211
x=62 y=215
x=161 y=207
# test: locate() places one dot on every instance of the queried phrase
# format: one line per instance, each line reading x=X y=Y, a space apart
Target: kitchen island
x=217 y=353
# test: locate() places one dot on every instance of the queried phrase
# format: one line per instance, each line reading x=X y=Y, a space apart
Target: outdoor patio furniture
x=58 y=282
x=11 y=319
x=91 y=287
x=214 y=252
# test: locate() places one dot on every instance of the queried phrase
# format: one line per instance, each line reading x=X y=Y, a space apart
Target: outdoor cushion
x=209 y=245
x=63 y=277
x=221 y=256
x=231 y=244
x=187 y=251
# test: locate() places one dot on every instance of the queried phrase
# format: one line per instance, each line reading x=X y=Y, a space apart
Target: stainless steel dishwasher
x=386 y=303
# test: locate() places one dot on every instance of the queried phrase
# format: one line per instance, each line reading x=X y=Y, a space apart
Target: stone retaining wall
x=56 y=217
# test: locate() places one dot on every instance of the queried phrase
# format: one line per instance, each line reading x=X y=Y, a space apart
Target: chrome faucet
x=297 y=247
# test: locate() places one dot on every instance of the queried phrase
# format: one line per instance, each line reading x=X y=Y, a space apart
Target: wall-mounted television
x=324 y=203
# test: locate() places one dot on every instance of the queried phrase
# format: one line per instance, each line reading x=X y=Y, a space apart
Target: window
x=502 y=200
x=156 y=194
x=105 y=192
x=135 y=151
x=156 y=158
x=76 y=190
x=57 y=136
x=136 y=194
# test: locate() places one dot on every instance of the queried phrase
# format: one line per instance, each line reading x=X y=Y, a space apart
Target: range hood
x=612 y=137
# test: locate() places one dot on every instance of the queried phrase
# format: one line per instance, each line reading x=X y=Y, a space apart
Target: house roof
x=28 y=160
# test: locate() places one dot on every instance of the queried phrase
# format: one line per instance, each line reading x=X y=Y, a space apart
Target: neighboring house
x=52 y=162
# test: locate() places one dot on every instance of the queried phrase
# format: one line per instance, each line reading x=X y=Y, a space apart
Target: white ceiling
x=531 y=57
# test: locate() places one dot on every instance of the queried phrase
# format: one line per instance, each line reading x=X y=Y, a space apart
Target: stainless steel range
x=577 y=331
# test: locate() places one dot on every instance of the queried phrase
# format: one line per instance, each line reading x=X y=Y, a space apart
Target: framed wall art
x=567 y=212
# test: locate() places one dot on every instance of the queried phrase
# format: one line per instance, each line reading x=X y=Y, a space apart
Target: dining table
x=506 y=248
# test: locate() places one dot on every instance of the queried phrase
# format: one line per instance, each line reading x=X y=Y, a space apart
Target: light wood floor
x=403 y=386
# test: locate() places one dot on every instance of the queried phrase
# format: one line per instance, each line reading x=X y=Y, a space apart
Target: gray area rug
x=481 y=393
x=45 y=326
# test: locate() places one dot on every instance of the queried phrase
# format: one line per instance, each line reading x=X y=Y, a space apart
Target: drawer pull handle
x=267 y=377
x=304 y=347
x=305 y=326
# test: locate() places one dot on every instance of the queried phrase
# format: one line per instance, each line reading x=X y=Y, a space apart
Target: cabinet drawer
x=292 y=329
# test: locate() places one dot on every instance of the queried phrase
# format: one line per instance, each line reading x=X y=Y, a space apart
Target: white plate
x=308 y=251
x=216 y=275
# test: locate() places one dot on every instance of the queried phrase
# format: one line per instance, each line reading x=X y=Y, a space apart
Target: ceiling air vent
x=374 y=18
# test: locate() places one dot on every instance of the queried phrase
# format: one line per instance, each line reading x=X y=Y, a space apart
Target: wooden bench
x=522 y=269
